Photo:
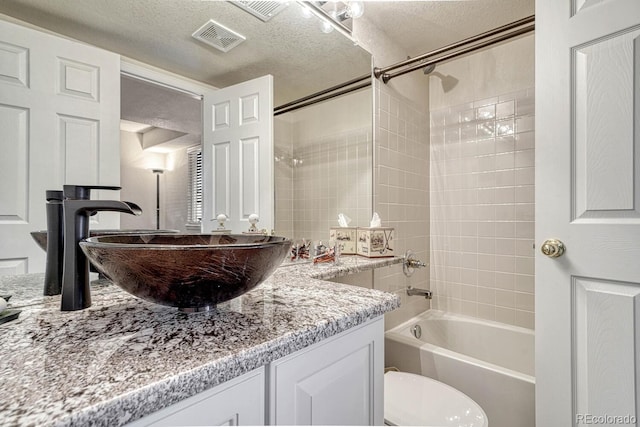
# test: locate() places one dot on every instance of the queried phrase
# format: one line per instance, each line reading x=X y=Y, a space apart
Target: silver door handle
x=553 y=248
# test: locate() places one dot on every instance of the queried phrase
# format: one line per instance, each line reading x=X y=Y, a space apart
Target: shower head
x=428 y=69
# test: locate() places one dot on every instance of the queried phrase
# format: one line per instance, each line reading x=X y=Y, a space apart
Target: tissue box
x=375 y=242
x=346 y=236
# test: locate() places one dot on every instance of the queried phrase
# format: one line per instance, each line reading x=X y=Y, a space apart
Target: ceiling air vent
x=264 y=10
x=218 y=36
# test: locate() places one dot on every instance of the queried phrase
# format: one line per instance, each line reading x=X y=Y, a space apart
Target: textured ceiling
x=159 y=107
x=301 y=58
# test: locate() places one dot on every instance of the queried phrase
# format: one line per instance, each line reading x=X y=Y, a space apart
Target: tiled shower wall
x=283 y=175
x=482 y=208
x=324 y=166
x=401 y=195
x=331 y=175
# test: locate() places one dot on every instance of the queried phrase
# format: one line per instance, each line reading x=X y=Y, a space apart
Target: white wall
x=176 y=187
x=137 y=182
x=505 y=68
x=139 y=185
x=482 y=192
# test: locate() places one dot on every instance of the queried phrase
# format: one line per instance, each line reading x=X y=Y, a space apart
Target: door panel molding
x=605 y=180
x=14 y=164
x=13 y=266
x=78 y=79
x=249 y=176
x=221 y=177
x=605 y=334
x=15 y=64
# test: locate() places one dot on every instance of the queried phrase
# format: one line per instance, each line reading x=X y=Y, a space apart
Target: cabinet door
x=336 y=382
x=237 y=402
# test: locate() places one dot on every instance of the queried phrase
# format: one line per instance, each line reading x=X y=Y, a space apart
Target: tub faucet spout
x=417 y=291
x=77 y=209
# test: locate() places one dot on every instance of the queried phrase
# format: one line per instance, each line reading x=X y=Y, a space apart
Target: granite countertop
x=124 y=358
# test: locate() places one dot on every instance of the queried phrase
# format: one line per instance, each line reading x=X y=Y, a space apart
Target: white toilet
x=414 y=400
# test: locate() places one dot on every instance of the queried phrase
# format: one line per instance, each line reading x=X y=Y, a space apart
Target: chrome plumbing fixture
x=411 y=263
x=77 y=208
x=416 y=330
x=428 y=69
x=417 y=291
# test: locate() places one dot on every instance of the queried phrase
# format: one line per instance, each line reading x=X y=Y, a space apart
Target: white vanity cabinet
x=240 y=401
x=338 y=381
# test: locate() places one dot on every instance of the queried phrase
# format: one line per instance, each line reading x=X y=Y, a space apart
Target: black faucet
x=55 y=243
x=77 y=209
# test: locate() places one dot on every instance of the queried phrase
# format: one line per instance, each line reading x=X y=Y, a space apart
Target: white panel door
x=238 y=155
x=59 y=115
x=588 y=196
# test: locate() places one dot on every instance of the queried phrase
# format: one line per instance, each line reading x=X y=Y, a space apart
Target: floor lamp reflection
x=157 y=172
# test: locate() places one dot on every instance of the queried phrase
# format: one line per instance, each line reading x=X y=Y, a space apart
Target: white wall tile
x=524 y=301
x=404 y=189
x=505 y=109
x=482 y=203
x=487 y=296
x=505 y=298
x=525 y=319
x=487 y=311
x=505 y=315
x=525 y=283
x=505 y=144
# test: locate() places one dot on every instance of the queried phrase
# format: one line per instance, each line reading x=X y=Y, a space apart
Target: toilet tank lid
x=411 y=399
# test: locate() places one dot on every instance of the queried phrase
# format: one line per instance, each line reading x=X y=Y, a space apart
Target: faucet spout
x=76 y=294
x=417 y=291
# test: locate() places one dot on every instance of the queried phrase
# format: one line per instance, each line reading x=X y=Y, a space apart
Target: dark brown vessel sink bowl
x=193 y=272
x=41 y=237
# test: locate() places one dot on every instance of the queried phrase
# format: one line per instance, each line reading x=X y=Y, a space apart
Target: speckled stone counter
x=124 y=358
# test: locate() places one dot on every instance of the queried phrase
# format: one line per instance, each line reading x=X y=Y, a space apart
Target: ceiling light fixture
x=355 y=9
x=326 y=26
x=335 y=14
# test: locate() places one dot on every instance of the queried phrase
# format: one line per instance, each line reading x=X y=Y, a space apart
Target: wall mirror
x=302 y=58
x=323 y=166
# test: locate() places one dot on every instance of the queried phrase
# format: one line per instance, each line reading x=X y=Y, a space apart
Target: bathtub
x=490 y=362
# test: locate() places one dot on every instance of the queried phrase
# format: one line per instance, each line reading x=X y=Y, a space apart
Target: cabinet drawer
x=240 y=401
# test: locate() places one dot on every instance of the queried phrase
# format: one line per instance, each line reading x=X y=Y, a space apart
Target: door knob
x=553 y=248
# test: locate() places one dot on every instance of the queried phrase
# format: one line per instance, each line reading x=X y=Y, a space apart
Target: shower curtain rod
x=378 y=72
x=299 y=103
x=347 y=87
x=386 y=77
